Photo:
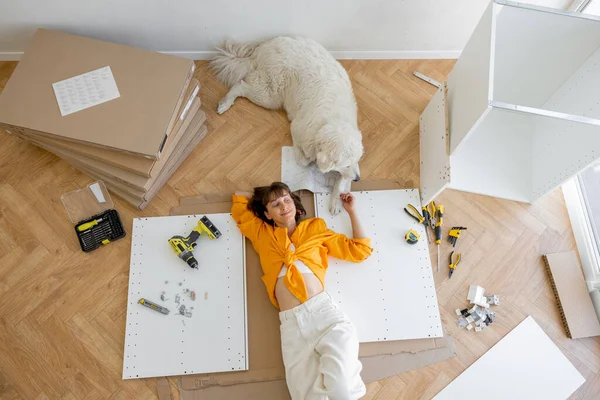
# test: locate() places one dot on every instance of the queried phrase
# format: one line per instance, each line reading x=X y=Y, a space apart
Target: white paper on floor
x=214 y=337
x=85 y=90
x=525 y=365
x=309 y=177
x=391 y=295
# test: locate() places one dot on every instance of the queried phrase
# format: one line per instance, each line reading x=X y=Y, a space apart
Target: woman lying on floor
x=319 y=343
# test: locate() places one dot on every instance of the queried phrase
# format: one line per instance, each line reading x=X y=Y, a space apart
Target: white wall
x=351 y=28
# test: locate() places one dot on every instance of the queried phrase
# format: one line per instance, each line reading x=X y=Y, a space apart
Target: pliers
x=452 y=266
x=414 y=213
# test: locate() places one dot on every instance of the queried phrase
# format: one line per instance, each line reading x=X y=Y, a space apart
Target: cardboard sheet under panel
x=576 y=308
x=151 y=88
x=266 y=363
x=142 y=166
x=374 y=369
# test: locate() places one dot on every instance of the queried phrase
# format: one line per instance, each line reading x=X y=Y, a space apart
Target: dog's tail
x=233 y=62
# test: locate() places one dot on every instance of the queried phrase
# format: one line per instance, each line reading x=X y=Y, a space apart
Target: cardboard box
x=135 y=181
x=151 y=87
x=141 y=204
x=195 y=134
x=264 y=352
x=199 y=134
x=142 y=166
x=570 y=290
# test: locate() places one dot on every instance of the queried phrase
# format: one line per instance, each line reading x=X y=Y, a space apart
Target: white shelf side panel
x=563 y=148
x=496 y=159
x=469 y=81
x=433 y=145
x=391 y=295
x=535 y=52
x=579 y=94
x=214 y=338
x=527 y=365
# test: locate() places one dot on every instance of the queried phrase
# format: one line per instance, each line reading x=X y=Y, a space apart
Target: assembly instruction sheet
x=309 y=177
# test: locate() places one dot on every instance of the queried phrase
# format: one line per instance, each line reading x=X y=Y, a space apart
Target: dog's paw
x=224 y=105
x=301 y=160
x=335 y=205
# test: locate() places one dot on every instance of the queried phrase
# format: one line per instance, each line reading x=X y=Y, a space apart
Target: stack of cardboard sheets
x=127 y=116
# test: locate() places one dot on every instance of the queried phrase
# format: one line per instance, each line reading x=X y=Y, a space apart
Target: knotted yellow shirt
x=313 y=242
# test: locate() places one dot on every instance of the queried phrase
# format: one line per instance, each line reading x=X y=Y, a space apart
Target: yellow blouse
x=313 y=242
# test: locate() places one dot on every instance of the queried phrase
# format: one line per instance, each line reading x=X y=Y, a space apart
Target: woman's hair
x=262 y=195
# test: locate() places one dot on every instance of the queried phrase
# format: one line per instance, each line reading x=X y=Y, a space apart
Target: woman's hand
x=348 y=201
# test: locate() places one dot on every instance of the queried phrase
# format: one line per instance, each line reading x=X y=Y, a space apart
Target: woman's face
x=281 y=210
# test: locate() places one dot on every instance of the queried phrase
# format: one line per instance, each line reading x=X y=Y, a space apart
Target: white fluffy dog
x=299 y=75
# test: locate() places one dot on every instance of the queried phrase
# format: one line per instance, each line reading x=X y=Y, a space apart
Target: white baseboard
x=10 y=55
x=394 y=55
x=340 y=55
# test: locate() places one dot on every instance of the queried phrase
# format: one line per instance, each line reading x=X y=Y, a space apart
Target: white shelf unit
x=523 y=106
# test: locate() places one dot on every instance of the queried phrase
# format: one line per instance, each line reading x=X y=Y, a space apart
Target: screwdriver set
x=100 y=229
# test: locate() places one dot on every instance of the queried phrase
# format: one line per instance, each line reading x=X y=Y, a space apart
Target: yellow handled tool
x=452 y=266
x=454 y=234
x=437 y=213
x=88 y=225
x=414 y=213
x=412 y=237
x=154 y=306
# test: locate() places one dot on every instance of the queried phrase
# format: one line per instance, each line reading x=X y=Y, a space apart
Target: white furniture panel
x=391 y=295
x=434 y=141
x=214 y=338
x=469 y=82
x=525 y=365
x=497 y=160
x=535 y=52
x=541 y=122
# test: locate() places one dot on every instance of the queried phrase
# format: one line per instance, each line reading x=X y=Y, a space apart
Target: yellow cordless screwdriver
x=439 y=220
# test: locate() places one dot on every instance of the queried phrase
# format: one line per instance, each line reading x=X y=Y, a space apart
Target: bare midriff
x=287 y=300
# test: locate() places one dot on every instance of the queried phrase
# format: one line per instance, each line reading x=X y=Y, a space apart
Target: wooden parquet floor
x=62 y=312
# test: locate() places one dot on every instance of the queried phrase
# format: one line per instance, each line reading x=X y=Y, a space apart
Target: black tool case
x=91 y=204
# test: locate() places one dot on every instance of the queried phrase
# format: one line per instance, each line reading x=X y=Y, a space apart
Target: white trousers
x=320 y=352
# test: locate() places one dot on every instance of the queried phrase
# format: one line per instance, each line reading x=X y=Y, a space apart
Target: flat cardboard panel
x=129 y=179
x=128 y=162
x=469 y=82
x=132 y=180
x=574 y=301
x=265 y=358
x=214 y=338
x=434 y=141
x=151 y=85
x=525 y=365
x=165 y=176
x=396 y=274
